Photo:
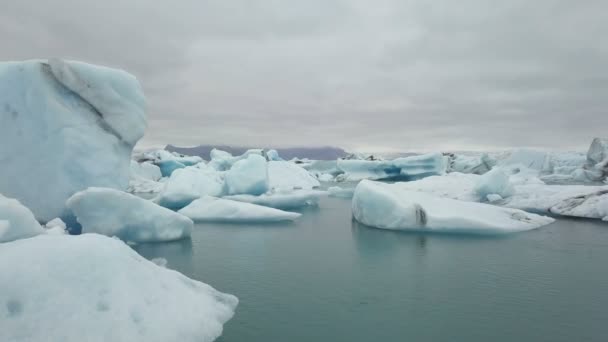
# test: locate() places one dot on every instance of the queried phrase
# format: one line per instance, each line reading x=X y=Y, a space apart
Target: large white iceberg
x=94 y=288
x=115 y=213
x=407 y=168
x=285 y=176
x=65 y=126
x=391 y=207
x=187 y=184
x=248 y=176
x=16 y=221
x=283 y=199
x=211 y=209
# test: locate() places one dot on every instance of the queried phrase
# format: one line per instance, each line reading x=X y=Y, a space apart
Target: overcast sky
x=379 y=75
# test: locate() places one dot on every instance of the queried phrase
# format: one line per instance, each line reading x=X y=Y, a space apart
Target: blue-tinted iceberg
x=94 y=288
x=407 y=168
x=130 y=218
x=283 y=199
x=211 y=209
x=477 y=164
x=248 y=176
x=16 y=221
x=387 y=206
x=65 y=126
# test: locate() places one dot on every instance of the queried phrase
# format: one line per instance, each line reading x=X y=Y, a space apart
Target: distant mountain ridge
x=317 y=153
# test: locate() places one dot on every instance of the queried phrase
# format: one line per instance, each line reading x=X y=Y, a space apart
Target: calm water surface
x=326 y=278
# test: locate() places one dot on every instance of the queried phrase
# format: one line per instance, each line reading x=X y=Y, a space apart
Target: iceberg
x=598 y=151
x=470 y=164
x=16 y=221
x=187 y=184
x=145 y=170
x=530 y=195
x=168 y=161
x=282 y=199
x=536 y=160
x=286 y=176
x=273 y=155
x=222 y=160
x=496 y=182
x=336 y=191
x=407 y=168
x=389 y=207
x=94 y=288
x=211 y=209
x=115 y=213
x=248 y=176
x=65 y=126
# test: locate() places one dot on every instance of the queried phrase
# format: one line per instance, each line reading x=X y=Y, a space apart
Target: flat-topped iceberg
x=16 y=221
x=94 y=288
x=407 y=168
x=529 y=194
x=65 y=126
x=390 y=207
x=283 y=199
x=211 y=209
x=130 y=218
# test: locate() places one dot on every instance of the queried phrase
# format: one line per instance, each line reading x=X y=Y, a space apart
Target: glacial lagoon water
x=327 y=278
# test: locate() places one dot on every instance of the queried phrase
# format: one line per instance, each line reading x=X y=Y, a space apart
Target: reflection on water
x=328 y=278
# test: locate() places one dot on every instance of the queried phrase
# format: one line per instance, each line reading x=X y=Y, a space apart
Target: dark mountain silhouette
x=318 y=153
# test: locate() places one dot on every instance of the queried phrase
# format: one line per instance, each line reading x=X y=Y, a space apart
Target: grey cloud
x=388 y=74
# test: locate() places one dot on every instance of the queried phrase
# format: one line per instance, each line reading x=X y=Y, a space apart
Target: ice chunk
x=325 y=177
x=496 y=181
x=283 y=199
x=471 y=164
x=389 y=207
x=248 y=176
x=285 y=175
x=598 y=151
x=187 y=184
x=94 y=288
x=336 y=191
x=273 y=155
x=55 y=223
x=16 y=221
x=407 y=168
x=211 y=209
x=536 y=160
x=145 y=170
x=130 y=218
x=65 y=126
x=222 y=160
x=568 y=200
x=493 y=198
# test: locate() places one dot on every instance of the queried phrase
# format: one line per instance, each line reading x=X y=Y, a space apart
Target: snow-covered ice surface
x=283 y=199
x=16 y=221
x=211 y=209
x=132 y=219
x=65 y=126
x=391 y=207
x=477 y=164
x=94 y=288
x=187 y=184
x=413 y=167
x=248 y=176
x=285 y=175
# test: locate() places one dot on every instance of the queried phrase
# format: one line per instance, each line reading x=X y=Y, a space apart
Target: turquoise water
x=326 y=278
